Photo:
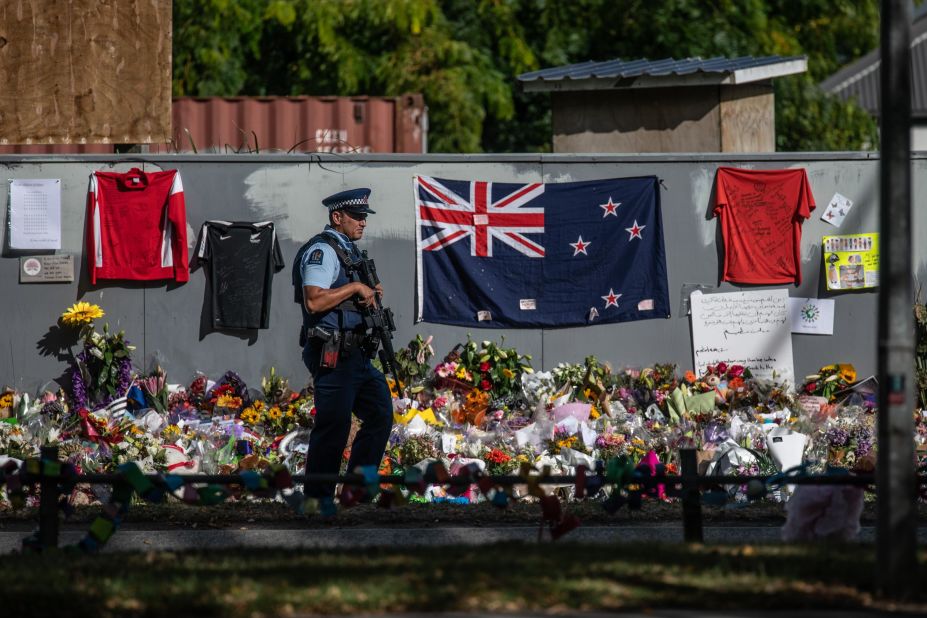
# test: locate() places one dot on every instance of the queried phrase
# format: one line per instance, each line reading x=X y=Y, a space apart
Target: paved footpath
x=136 y=537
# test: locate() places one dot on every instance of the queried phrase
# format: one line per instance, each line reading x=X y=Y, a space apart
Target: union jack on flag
x=480 y=216
x=529 y=255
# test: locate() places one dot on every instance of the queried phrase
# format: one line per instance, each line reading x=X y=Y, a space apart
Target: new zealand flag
x=501 y=255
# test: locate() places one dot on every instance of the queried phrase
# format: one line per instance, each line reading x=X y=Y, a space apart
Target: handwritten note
x=35 y=213
x=744 y=328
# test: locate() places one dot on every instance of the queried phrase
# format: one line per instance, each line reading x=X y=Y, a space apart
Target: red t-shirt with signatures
x=761 y=214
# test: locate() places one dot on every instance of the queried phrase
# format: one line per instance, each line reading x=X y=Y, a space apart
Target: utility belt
x=338 y=344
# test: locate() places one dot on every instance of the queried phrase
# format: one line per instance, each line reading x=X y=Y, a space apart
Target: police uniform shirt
x=320 y=266
x=240 y=260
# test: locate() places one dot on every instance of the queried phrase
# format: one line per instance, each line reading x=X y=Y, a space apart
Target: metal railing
x=688 y=486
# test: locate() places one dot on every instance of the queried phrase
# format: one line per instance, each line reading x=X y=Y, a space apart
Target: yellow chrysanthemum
x=228 y=401
x=274 y=413
x=81 y=313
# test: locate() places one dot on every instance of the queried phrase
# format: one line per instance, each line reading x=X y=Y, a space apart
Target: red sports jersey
x=761 y=214
x=137 y=226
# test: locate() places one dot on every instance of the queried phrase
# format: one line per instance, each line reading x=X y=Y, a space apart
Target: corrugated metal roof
x=612 y=69
x=281 y=124
x=860 y=80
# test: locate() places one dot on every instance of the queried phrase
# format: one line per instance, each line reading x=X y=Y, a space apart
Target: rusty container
x=231 y=125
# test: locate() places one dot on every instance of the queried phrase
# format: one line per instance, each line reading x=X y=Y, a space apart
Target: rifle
x=378 y=319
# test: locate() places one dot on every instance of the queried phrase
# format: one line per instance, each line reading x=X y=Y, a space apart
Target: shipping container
x=281 y=124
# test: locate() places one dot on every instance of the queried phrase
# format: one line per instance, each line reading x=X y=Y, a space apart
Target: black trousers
x=355 y=386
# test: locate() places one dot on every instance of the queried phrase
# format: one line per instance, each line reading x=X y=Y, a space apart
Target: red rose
x=811 y=386
x=722 y=368
x=484 y=366
x=312 y=411
x=485 y=385
x=736 y=371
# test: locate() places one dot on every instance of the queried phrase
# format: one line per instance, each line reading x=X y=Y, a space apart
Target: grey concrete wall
x=163 y=319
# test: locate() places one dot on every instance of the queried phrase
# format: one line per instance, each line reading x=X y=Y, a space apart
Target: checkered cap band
x=357 y=201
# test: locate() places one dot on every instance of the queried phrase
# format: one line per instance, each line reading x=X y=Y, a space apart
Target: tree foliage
x=465 y=55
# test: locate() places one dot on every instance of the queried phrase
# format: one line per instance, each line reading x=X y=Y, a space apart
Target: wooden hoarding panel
x=85 y=71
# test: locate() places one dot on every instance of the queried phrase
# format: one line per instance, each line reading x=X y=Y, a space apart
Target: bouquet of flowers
x=154 y=386
x=851 y=443
x=473 y=410
x=829 y=380
x=493 y=367
x=564 y=439
x=611 y=445
x=499 y=461
x=102 y=371
x=412 y=361
x=416 y=448
x=276 y=389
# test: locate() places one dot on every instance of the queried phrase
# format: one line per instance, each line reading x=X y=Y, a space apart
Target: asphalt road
x=136 y=537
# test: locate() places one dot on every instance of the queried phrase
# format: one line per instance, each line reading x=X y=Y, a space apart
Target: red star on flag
x=579 y=246
x=611 y=299
x=610 y=208
x=635 y=231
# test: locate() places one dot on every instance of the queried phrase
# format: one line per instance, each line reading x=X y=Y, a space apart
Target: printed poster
x=812 y=316
x=851 y=261
x=837 y=210
x=35 y=213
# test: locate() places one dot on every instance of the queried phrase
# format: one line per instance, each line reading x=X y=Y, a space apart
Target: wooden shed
x=690 y=105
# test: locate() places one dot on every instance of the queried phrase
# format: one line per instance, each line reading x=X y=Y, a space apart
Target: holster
x=331 y=351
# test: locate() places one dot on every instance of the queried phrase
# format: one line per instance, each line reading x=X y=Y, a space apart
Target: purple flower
x=837 y=436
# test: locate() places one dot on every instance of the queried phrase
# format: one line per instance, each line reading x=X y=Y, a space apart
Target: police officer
x=332 y=334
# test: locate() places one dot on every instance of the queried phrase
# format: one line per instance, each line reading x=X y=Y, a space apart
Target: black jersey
x=240 y=260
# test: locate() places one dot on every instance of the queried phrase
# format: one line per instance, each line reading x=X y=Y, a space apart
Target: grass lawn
x=500 y=578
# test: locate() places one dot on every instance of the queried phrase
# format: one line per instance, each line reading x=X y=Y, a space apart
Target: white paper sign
x=837 y=210
x=743 y=328
x=35 y=213
x=812 y=316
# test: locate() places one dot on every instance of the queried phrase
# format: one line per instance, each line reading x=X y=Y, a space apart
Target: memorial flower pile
x=481 y=404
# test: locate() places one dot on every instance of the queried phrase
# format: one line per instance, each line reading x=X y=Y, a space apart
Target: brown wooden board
x=85 y=71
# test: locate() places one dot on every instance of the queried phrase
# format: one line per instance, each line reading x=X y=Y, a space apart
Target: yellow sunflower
x=274 y=413
x=81 y=313
x=258 y=405
x=6 y=401
x=250 y=416
x=847 y=372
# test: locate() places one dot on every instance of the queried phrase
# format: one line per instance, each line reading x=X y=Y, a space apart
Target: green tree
x=465 y=55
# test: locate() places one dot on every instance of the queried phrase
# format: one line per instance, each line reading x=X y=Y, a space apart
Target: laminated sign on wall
x=851 y=262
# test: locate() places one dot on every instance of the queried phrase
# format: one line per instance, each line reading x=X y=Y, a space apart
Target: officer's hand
x=367 y=295
x=379 y=290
